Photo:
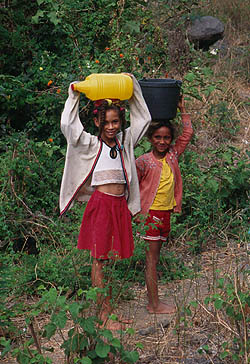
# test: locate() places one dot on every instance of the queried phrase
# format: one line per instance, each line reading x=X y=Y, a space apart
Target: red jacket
x=149 y=169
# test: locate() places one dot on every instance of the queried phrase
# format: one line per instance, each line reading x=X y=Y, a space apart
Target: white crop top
x=107 y=169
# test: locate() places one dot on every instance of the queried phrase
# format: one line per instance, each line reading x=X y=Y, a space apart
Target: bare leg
x=152 y=258
x=98 y=281
x=104 y=302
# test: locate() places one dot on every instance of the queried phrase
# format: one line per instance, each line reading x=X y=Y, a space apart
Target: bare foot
x=112 y=325
x=124 y=320
x=161 y=308
x=117 y=324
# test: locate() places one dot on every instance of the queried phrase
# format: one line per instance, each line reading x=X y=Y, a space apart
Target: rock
x=221 y=46
x=205 y=31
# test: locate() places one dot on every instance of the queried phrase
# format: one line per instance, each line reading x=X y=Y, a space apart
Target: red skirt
x=106 y=228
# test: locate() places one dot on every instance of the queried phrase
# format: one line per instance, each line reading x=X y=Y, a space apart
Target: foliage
x=45 y=50
x=232 y=300
x=222 y=179
x=87 y=342
x=30 y=168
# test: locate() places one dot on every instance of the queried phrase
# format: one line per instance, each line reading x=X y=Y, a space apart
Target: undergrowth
x=45 y=51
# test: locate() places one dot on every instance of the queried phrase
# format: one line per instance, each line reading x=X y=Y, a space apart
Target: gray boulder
x=205 y=31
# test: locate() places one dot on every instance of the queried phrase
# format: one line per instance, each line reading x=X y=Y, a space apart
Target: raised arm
x=139 y=115
x=71 y=125
x=187 y=129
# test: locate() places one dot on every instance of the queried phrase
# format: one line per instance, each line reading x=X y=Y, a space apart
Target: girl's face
x=111 y=127
x=161 y=140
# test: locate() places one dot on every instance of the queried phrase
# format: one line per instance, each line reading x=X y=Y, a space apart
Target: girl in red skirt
x=103 y=167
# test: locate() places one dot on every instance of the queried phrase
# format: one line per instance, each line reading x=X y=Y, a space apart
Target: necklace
x=113 y=152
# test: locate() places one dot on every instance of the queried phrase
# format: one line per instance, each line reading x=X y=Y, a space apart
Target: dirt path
x=177 y=338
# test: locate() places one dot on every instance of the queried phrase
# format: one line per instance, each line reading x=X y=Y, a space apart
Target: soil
x=177 y=338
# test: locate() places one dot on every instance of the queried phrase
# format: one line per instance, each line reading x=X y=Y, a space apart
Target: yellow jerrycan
x=105 y=86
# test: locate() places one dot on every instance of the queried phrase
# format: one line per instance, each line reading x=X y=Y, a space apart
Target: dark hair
x=103 y=107
x=157 y=124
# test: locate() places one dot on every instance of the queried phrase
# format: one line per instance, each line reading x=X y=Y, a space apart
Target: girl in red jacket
x=161 y=193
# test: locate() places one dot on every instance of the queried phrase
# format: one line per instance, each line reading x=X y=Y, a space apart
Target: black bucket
x=161 y=96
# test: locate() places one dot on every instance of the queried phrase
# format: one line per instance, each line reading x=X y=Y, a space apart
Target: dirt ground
x=177 y=338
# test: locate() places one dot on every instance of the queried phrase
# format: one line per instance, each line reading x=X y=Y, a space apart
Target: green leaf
x=225 y=345
x=213 y=185
x=138 y=151
x=218 y=303
x=207 y=300
x=35 y=18
x=50 y=330
x=188 y=311
x=74 y=309
x=221 y=282
x=80 y=291
x=74 y=347
x=88 y=325
x=133 y=26
x=86 y=360
x=209 y=90
x=230 y=311
x=23 y=358
x=130 y=331
x=50 y=296
x=235 y=357
x=91 y=294
x=116 y=343
x=189 y=77
x=130 y=357
x=139 y=345
x=205 y=348
x=194 y=304
x=227 y=157
x=54 y=18
x=113 y=317
x=60 y=319
x=83 y=343
x=224 y=354
x=61 y=301
x=107 y=334
x=7 y=346
x=102 y=349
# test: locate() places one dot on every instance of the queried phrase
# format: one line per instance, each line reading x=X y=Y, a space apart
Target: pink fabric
x=106 y=228
x=149 y=169
x=158 y=225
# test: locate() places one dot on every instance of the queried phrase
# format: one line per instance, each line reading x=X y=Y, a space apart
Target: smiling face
x=161 y=140
x=110 y=127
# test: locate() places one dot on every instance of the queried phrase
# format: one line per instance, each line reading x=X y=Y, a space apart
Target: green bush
x=215 y=185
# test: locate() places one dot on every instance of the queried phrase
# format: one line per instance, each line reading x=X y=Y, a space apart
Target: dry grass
x=186 y=334
x=238 y=11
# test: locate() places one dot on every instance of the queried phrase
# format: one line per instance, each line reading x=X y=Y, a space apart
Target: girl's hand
x=181 y=104
x=127 y=74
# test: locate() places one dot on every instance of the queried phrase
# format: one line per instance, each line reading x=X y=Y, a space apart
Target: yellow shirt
x=164 y=198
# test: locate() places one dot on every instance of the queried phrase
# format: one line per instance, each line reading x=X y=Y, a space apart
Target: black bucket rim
x=160 y=82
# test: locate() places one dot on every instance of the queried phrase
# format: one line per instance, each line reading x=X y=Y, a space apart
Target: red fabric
x=106 y=228
x=158 y=225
